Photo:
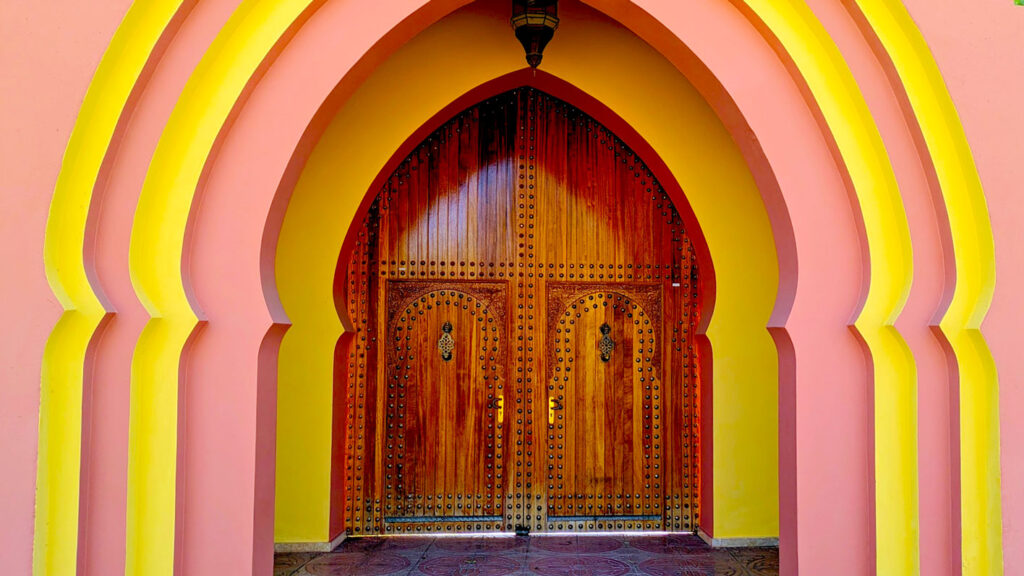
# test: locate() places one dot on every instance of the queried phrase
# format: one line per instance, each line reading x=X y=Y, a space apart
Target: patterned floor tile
x=678 y=565
x=670 y=544
x=358 y=564
x=469 y=565
x=759 y=561
x=375 y=544
x=579 y=566
x=575 y=545
x=543 y=555
x=553 y=543
x=288 y=563
x=481 y=545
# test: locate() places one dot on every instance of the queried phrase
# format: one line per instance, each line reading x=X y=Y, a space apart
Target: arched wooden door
x=446 y=377
x=524 y=296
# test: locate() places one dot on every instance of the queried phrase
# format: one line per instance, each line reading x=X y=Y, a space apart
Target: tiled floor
x=553 y=555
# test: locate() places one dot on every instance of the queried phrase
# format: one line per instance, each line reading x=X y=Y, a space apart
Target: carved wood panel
x=604 y=406
x=443 y=451
x=516 y=209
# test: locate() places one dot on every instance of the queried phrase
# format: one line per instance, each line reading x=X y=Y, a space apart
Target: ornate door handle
x=446 y=343
x=553 y=404
x=498 y=403
x=606 y=345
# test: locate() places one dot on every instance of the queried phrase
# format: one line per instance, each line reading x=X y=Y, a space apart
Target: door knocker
x=446 y=344
x=606 y=345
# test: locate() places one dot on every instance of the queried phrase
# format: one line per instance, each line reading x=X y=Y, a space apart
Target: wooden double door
x=523 y=297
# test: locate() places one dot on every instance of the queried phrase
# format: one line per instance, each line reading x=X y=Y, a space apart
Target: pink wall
x=825 y=500
x=829 y=443
x=52 y=48
x=102 y=540
x=925 y=211
x=983 y=65
x=49 y=53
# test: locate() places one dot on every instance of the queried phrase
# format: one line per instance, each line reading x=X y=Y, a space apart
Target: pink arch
x=102 y=520
x=931 y=292
x=748 y=119
x=253 y=176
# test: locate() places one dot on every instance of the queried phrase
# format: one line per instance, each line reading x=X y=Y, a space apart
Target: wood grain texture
x=444 y=443
x=526 y=227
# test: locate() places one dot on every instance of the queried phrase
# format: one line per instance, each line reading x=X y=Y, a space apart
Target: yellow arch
x=888 y=235
x=974 y=254
x=55 y=546
x=450 y=58
x=155 y=257
x=256 y=26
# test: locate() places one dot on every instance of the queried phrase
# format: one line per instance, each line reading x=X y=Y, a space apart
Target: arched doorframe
x=626 y=13
x=293 y=153
x=574 y=96
x=722 y=103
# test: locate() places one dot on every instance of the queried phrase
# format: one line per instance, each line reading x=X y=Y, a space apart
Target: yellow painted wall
x=835 y=91
x=55 y=546
x=459 y=53
x=155 y=257
x=974 y=253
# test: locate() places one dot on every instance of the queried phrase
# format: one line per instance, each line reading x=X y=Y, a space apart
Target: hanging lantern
x=534 y=22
